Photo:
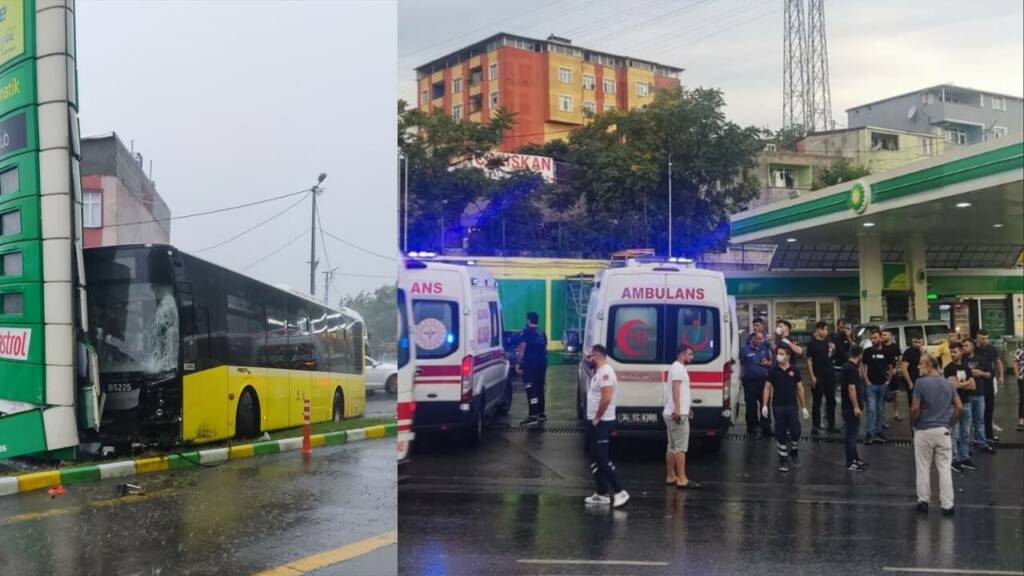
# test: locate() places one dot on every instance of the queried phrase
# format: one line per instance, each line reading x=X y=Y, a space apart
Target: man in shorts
x=677 y=414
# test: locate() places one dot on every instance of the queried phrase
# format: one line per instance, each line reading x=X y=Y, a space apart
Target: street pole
x=669 y=206
x=312 y=236
x=328 y=278
x=405 y=210
x=442 y=230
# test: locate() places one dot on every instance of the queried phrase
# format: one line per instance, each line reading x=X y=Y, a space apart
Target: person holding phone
x=677 y=414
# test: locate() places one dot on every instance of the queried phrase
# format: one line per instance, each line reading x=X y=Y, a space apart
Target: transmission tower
x=806 y=96
x=818 y=95
x=794 y=107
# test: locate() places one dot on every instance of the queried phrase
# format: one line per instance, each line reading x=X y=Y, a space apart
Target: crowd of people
x=950 y=400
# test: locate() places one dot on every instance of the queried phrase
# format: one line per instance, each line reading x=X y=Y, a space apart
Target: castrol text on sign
x=14 y=343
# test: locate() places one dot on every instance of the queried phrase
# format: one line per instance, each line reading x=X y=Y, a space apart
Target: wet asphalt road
x=380 y=404
x=239 y=518
x=515 y=507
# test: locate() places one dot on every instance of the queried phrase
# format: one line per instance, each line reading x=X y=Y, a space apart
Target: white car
x=381 y=376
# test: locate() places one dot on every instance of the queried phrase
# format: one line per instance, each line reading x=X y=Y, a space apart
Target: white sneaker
x=997 y=428
x=597 y=499
x=620 y=499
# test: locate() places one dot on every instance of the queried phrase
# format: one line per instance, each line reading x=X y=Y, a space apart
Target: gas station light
x=997 y=225
x=869 y=224
x=933 y=296
x=963 y=204
x=790 y=239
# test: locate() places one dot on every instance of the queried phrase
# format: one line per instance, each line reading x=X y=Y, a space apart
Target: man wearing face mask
x=755 y=360
x=790 y=405
x=782 y=330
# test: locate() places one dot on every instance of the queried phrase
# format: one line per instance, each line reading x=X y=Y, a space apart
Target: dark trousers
x=601 y=465
x=533 y=381
x=826 y=388
x=990 y=406
x=1020 y=398
x=852 y=431
x=787 y=430
x=753 y=389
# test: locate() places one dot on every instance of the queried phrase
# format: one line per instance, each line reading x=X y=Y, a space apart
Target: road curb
x=178 y=461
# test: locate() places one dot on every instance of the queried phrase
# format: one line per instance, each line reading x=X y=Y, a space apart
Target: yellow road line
x=94 y=504
x=336 y=556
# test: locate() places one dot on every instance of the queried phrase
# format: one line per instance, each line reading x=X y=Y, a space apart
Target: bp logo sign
x=860 y=197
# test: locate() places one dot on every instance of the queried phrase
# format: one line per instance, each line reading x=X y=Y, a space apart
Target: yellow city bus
x=190 y=352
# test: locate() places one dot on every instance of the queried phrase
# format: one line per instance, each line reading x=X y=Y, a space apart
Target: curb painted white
x=117 y=469
x=8 y=485
x=213 y=455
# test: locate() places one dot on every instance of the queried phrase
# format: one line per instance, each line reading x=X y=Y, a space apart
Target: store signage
x=12 y=30
x=16 y=88
x=14 y=343
x=13 y=135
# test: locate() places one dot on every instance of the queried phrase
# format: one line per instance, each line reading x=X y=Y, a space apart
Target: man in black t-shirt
x=842 y=339
x=981 y=370
x=893 y=350
x=853 y=400
x=878 y=366
x=784 y=386
x=910 y=370
x=533 y=359
x=960 y=375
x=984 y=348
x=820 y=351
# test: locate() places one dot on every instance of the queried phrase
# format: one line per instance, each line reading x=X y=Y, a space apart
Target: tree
x=786 y=138
x=841 y=170
x=379 y=311
x=445 y=177
x=613 y=185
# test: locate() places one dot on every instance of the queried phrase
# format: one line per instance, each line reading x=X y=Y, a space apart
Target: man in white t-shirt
x=677 y=414
x=601 y=394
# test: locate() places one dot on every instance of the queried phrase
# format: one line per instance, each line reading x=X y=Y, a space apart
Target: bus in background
x=406 y=371
x=641 y=312
x=190 y=352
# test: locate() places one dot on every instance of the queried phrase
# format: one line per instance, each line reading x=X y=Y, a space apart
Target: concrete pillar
x=869 y=253
x=917 y=277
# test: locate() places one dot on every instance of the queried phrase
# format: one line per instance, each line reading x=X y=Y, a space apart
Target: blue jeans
x=977 y=404
x=961 y=436
x=876 y=408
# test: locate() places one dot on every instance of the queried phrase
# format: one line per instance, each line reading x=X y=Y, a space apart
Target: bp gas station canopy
x=967 y=206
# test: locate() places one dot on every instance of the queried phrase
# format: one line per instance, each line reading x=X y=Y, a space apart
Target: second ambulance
x=641 y=312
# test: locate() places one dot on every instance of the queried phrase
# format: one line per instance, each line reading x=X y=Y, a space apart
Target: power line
x=251 y=228
x=208 y=212
x=276 y=252
x=360 y=248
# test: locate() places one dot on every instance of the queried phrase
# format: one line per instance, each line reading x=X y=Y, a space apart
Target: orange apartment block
x=551 y=85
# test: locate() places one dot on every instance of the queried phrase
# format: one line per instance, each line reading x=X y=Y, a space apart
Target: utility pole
x=405 y=210
x=312 y=235
x=670 y=206
x=328 y=278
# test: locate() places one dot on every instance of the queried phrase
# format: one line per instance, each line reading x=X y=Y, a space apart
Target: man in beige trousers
x=936 y=408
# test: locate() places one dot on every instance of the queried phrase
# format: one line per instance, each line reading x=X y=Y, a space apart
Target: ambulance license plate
x=637 y=418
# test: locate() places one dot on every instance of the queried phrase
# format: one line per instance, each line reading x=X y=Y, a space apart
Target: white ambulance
x=641 y=312
x=406 y=406
x=462 y=371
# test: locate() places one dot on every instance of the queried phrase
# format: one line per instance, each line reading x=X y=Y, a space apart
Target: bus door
x=302 y=362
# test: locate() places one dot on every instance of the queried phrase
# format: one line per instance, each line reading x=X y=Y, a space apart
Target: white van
x=641 y=312
x=462 y=371
x=406 y=370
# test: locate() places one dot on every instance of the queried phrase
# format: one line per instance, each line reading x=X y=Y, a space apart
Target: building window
x=956 y=135
x=998 y=102
x=589 y=107
x=437 y=90
x=457 y=112
x=92 y=210
x=782 y=177
x=492 y=71
x=565 y=75
x=882 y=141
x=643 y=89
x=476 y=76
x=10 y=181
x=457 y=85
x=609 y=86
x=424 y=98
x=565 y=103
x=927 y=146
x=494 y=99
x=588 y=82
x=476 y=102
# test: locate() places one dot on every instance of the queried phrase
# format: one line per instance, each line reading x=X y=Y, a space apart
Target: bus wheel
x=338 y=407
x=247 y=419
x=391 y=387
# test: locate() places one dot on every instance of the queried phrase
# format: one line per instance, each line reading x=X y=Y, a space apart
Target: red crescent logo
x=631 y=334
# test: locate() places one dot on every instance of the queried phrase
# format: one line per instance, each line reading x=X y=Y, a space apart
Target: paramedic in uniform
x=533 y=361
x=601 y=396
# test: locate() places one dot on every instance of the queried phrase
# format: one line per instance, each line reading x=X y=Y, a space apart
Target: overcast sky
x=239 y=101
x=877 y=48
